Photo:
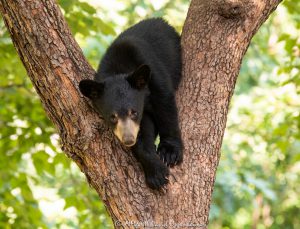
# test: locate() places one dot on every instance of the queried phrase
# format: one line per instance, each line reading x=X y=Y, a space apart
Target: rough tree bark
x=215 y=37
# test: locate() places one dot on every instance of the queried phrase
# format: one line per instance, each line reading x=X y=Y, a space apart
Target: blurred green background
x=258 y=182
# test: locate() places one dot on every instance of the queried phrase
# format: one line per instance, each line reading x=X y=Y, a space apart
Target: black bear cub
x=134 y=90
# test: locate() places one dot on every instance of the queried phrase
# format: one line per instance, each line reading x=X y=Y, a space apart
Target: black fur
x=141 y=70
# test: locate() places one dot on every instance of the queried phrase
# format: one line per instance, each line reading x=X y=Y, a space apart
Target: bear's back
x=153 y=42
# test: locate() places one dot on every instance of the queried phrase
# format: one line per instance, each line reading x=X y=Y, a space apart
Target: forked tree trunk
x=215 y=37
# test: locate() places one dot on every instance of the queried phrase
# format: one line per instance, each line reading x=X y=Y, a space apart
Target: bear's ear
x=91 y=88
x=140 y=77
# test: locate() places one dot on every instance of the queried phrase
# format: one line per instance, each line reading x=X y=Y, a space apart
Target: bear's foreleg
x=166 y=118
x=156 y=172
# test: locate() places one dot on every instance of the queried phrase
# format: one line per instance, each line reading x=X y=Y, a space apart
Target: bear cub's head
x=120 y=100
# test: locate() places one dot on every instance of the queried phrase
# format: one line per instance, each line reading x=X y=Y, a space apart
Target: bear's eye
x=133 y=114
x=114 y=118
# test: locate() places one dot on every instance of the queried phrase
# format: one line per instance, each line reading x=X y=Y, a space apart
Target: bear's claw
x=170 y=152
x=157 y=177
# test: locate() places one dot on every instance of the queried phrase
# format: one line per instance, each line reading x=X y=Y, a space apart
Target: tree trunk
x=215 y=37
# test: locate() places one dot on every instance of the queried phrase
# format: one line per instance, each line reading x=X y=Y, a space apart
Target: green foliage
x=39 y=187
x=258 y=180
x=258 y=177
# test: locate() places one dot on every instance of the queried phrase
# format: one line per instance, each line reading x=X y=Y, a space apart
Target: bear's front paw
x=157 y=175
x=170 y=151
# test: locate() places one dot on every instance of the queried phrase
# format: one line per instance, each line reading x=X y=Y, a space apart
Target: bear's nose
x=128 y=140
